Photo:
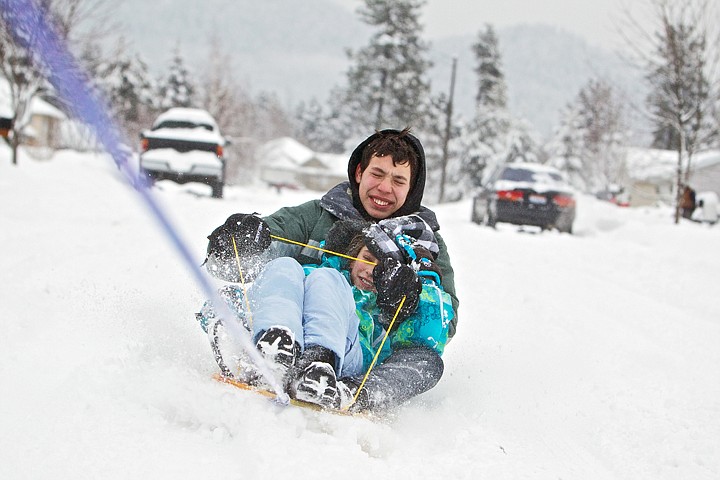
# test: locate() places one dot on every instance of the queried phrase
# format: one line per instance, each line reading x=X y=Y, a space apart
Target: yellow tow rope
x=377 y=354
x=322 y=250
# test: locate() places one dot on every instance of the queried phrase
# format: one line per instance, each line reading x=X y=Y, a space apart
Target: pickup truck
x=185 y=145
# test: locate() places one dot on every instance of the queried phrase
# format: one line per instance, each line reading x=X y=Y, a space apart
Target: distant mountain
x=545 y=68
x=297 y=50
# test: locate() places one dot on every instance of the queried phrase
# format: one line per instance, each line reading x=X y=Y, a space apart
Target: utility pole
x=448 y=126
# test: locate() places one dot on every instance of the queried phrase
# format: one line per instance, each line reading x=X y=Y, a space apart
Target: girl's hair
x=355 y=245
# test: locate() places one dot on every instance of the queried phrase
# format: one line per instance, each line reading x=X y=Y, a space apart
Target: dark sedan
x=526 y=194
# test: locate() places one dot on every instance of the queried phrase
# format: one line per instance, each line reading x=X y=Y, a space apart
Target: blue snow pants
x=318 y=308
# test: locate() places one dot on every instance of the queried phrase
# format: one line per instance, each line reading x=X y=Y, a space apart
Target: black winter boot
x=278 y=345
x=314 y=380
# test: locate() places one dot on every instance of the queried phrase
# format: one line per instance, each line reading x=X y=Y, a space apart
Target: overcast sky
x=592 y=19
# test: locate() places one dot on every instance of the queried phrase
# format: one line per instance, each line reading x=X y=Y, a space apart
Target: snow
x=590 y=356
x=192 y=115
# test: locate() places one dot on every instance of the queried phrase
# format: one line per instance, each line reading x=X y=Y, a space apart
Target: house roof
x=284 y=152
x=288 y=154
x=38 y=106
x=653 y=165
x=336 y=164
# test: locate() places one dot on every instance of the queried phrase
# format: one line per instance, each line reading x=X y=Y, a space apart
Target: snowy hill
x=592 y=356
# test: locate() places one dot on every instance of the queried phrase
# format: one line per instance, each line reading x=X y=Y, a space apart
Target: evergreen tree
x=128 y=89
x=492 y=121
x=492 y=90
x=177 y=89
x=386 y=81
x=567 y=148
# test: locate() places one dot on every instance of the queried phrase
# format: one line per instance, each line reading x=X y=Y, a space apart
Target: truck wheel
x=217 y=189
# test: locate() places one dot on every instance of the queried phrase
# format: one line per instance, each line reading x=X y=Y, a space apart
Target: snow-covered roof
x=38 y=106
x=333 y=162
x=290 y=155
x=706 y=159
x=284 y=152
x=650 y=165
x=646 y=164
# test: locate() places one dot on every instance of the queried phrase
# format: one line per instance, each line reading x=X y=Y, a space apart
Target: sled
x=272 y=395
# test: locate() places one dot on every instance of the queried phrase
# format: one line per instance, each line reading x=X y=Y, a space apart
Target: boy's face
x=361 y=272
x=383 y=186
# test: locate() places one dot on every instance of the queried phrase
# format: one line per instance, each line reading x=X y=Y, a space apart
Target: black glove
x=393 y=280
x=252 y=237
x=251 y=234
x=424 y=262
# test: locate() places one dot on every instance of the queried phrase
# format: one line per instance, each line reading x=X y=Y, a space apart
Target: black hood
x=417 y=189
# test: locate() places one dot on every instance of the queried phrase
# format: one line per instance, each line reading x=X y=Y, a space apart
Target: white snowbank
x=592 y=356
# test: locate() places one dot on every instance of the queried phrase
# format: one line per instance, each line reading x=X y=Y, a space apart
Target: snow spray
x=31 y=29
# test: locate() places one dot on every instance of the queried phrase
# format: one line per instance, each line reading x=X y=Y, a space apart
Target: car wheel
x=217 y=189
x=566 y=229
x=489 y=219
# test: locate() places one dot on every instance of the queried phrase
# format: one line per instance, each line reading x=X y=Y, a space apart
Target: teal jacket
x=428 y=326
x=310 y=222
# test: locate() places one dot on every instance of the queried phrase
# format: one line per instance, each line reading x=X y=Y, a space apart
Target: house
x=285 y=162
x=42 y=128
x=652 y=175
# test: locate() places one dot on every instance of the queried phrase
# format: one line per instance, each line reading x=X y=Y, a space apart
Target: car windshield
x=183 y=124
x=525 y=175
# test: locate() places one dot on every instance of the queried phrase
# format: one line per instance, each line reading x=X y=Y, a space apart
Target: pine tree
x=177 y=89
x=492 y=90
x=387 y=78
x=128 y=89
x=567 y=148
x=492 y=121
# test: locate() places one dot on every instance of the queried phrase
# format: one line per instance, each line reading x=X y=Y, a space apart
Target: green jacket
x=309 y=223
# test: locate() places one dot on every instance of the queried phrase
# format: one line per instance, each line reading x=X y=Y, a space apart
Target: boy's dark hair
x=396 y=144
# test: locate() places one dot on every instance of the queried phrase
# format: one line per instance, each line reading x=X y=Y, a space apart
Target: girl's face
x=361 y=272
